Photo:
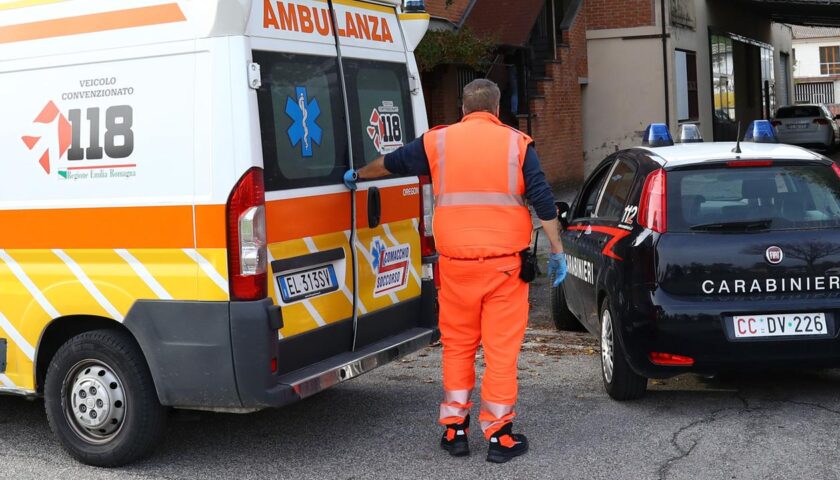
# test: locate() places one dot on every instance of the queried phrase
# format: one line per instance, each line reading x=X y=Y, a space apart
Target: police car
x=702 y=257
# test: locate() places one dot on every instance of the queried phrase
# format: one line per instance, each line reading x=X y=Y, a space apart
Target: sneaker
x=455 y=439
x=505 y=445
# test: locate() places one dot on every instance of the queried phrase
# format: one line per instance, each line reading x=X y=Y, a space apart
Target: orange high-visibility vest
x=476 y=168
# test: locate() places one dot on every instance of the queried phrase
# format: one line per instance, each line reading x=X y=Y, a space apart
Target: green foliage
x=460 y=47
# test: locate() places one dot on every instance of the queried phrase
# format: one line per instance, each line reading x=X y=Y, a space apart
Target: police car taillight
x=670 y=360
x=836 y=169
x=652 y=208
x=247 y=255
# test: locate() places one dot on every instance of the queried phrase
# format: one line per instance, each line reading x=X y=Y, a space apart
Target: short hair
x=481 y=95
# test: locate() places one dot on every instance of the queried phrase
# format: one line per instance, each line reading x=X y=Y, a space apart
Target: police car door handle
x=374 y=207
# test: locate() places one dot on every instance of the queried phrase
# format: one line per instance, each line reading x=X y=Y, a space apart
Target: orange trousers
x=481 y=302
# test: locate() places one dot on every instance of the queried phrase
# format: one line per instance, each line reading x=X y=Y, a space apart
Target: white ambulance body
x=174 y=230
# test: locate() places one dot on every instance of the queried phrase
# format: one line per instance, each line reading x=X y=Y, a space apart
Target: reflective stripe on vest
x=511 y=199
x=441 y=155
x=463 y=199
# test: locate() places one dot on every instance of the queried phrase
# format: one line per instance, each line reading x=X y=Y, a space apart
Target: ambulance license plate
x=308 y=283
x=783 y=325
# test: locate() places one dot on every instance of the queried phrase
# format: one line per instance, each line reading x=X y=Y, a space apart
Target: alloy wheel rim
x=94 y=401
x=607 y=351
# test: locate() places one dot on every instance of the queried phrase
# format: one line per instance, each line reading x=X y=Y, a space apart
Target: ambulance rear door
x=382 y=119
x=306 y=139
x=305 y=149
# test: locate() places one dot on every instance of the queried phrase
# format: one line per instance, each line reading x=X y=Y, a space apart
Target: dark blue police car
x=703 y=257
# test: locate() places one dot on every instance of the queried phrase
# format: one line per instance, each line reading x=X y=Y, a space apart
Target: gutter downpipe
x=665 y=68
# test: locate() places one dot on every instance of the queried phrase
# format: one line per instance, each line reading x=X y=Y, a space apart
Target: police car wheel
x=101 y=401
x=563 y=318
x=620 y=381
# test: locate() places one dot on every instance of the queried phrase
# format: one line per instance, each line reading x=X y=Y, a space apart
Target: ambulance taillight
x=247 y=255
x=427 y=238
x=427 y=213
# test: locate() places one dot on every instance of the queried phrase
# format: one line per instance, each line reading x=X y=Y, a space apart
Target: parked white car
x=812 y=126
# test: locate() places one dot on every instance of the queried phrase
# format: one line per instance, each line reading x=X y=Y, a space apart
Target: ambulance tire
x=563 y=318
x=112 y=360
x=620 y=381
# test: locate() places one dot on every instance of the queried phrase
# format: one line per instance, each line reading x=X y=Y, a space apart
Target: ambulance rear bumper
x=228 y=356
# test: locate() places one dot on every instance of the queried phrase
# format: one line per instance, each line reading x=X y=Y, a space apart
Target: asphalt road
x=772 y=425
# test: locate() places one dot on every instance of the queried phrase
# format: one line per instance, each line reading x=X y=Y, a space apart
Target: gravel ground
x=382 y=425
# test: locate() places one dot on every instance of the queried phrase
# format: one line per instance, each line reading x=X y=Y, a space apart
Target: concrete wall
x=626 y=81
x=626 y=86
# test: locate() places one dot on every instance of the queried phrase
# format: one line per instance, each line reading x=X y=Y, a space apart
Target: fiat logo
x=774 y=255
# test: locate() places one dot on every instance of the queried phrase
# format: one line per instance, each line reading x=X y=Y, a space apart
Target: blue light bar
x=415 y=6
x=761 y=131
x=657 y=135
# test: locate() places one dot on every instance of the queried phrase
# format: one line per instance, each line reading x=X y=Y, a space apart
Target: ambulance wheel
x=101 y=401
x=563 y=318
x=620 y=381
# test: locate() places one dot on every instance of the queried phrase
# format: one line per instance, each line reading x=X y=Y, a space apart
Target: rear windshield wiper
x=760 y=224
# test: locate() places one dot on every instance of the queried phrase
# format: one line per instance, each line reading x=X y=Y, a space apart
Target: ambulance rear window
x=304 y=133
x=381 y=117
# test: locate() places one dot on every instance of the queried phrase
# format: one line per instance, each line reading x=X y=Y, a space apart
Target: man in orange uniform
x=482 y=172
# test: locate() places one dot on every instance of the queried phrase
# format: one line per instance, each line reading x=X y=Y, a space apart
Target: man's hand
x=557 y=268
x=350 y=178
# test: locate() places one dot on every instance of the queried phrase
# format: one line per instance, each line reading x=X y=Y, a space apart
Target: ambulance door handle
x=374 y=207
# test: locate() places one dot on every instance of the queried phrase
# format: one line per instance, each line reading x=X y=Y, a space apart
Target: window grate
x=819 y=92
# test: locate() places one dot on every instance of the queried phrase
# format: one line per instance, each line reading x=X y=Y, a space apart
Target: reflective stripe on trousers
x=455 y=407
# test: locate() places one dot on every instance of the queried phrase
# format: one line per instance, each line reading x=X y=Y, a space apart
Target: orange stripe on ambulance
x=310 y=19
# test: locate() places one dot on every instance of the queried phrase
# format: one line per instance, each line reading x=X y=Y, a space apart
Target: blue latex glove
x=557 y=268
x=350 y=178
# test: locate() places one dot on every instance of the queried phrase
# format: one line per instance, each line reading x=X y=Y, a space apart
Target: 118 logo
x=115 y=141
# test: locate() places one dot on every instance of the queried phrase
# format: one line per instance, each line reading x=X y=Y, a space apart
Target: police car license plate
x=783 y=325
x=308 y=283
x=797 y=125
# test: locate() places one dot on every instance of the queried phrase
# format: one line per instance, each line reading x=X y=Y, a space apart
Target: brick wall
x=557 y=123
x=440 y=89
x=604 y=14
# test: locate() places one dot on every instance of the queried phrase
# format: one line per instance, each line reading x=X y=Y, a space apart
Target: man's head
x=481 y=95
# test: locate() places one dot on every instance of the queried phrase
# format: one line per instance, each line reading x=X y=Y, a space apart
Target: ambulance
x=174 y=229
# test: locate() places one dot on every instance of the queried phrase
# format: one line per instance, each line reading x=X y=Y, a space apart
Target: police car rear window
x=772 y=198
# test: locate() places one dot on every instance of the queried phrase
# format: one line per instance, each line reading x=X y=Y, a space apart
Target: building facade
x=585 y=77
x=714 y=63
x=817 y=66
x=540 y=64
